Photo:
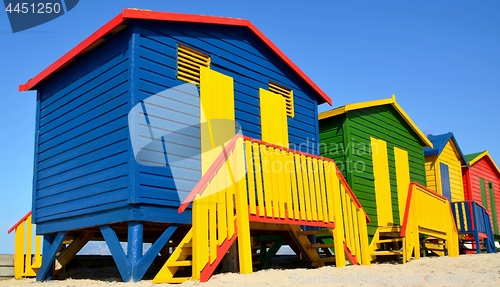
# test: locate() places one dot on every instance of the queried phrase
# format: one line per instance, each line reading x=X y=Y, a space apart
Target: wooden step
x=186 y=245
x=386 y=253
x=302 y=242
x=390 y=235
x=434 y=245
x=178 y=259
x=389 y=231
x=181 y=263
x=313 y=232
x=178 y=279
x=322 y=245
x=435 y=249
x=175 y=245
x=399 y=239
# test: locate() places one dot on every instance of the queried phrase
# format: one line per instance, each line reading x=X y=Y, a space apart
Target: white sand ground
x=479 y=270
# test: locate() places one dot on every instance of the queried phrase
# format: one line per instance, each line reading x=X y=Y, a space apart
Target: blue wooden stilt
x=117 y=252
x=134 y=245
x=134 y=265
x=48 y=239
x=148 y=258
x=51 y=244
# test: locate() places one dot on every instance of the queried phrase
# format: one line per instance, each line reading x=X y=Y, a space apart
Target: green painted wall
x=332 y=141
x=357 y=126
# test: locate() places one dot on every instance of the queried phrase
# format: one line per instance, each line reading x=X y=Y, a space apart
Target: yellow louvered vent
x=189 y=62
x=287 y=94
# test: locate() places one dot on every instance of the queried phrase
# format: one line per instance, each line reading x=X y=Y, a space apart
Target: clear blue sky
x=440 y=58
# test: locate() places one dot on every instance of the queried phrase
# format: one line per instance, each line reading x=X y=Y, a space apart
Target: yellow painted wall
x=430 y=174
x=451 y=157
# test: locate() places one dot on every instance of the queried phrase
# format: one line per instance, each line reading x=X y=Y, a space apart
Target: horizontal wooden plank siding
x=450 y=157
x=85 y=170
x=483 y=169
x=386 y=124
x=430 y=172
x=332 y=141
x=236 y=53
x=81 y=160
x=358 y=126
x=467 y=183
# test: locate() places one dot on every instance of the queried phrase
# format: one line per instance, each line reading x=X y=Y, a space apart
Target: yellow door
x=273 y=118
x=402 y=179
x=382 y=182
x=217 y=119
x=216 y=114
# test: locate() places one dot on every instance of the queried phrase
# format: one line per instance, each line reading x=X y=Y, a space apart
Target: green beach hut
x=379 y=151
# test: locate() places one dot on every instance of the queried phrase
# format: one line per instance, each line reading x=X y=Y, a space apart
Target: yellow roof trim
x=375 y=103
x=485 y=153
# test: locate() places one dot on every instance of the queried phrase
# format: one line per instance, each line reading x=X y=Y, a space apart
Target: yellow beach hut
x=443 y=166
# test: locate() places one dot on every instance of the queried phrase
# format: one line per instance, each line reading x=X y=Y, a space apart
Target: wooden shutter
x=285 y=93
x=189 y=62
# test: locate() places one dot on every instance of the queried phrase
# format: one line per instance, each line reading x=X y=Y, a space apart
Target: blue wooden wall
x=235 y=52
x=81 y=153
x=85 y=173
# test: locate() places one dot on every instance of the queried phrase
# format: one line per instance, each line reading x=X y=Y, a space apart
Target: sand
x=479 y=270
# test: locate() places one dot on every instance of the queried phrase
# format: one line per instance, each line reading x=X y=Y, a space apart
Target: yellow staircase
x=420 y=229
x=387 y=241
x=436 y=246
x=318 y=254
x=180 y=257
x=308 y=250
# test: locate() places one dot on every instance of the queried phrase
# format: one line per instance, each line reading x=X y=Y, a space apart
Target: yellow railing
x=430 y=214
x=220 y=213
x=25 y=264
x=290 y=187
x=253 y=180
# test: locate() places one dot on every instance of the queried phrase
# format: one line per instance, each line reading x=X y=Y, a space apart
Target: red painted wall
x=483 y=169
x=466 y=183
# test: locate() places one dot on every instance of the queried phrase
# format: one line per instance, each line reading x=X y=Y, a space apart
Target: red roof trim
x=166 y=16
x=19 y=222
x=115 y=22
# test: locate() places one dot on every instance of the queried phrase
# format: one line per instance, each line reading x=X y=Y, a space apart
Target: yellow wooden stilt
x=19 y=252
x=242 y=219
x=338 y=231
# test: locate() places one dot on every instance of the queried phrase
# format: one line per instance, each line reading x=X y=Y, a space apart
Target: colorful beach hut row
x=196 y=133
x=193 y=133
x=399 y=154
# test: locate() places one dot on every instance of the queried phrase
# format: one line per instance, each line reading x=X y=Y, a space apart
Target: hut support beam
x=51 y=244
x=134 y=265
